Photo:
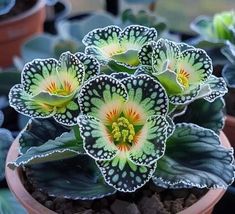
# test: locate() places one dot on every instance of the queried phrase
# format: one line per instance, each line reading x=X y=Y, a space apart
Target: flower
x=184 y=71
x=224 y=25
x=50 y=87
x=124 y=127
x=216 y=29
x=115 y=47
x=119 y=129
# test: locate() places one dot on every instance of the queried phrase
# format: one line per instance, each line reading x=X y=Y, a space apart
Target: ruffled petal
x=91 y=65
x=97 y=141
x=123 y=175
x=24 y=104
x=134 y=37
x=149 y=144
x=103 y=97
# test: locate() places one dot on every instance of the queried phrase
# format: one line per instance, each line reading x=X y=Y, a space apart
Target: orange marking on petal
x=67 y=86
x=184 y=73
x=123 y=147
x=111 y=115
x=108 y=135
x=134 y=112
x=51 y=87
x=137 y=137
x=135 y=116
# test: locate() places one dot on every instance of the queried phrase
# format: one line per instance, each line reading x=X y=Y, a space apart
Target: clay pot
x=14 y=31
x=229 y=129
x=15 y=182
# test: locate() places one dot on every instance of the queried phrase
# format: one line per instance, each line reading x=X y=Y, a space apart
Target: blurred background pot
x=54 y=13
x=14 y=30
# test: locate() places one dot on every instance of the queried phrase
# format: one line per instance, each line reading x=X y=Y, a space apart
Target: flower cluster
x=115 y=108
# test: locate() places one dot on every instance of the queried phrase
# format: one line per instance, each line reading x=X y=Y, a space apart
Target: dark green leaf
x=205 y=114
x=75 y=178
x=64 y=146
x=194 y=157
x=38 y=132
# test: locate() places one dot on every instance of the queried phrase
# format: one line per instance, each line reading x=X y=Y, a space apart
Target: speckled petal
x=38 y=75
x=23 y=103
x=218 y=88
x=103 y=97
x=146 y=52
x=67 y=114
x=149 y=144
x=123 y=175
x=165 y=55
x=96 y=139
x=98 y=54
x=71 y=72
x=106 y=39
x=186 y=96
x=134 y=37
x=120 y=75
x=91 y=65
x=197 y=64
x=146 y=98
x=183 y=46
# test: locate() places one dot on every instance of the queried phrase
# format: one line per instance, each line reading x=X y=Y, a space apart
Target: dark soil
x=20 y=7
x=147 y=200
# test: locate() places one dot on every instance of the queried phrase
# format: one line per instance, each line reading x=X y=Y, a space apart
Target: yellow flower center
x=183 y=78
x=123 y=131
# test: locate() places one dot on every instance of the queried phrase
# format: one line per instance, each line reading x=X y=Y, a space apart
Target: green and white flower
x=184 y=71
x=124 y=127
x=49 y=88
x=118 y=48
x=219 y=28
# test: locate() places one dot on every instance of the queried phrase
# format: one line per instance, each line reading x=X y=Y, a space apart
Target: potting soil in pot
x=147 y=200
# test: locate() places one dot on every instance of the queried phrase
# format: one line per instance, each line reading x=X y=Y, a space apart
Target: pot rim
x=16 y=186
x=36 y=7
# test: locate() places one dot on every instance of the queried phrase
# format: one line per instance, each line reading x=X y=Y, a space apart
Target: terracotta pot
x=229 y=129
x=14 y=31
x=15 y=182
